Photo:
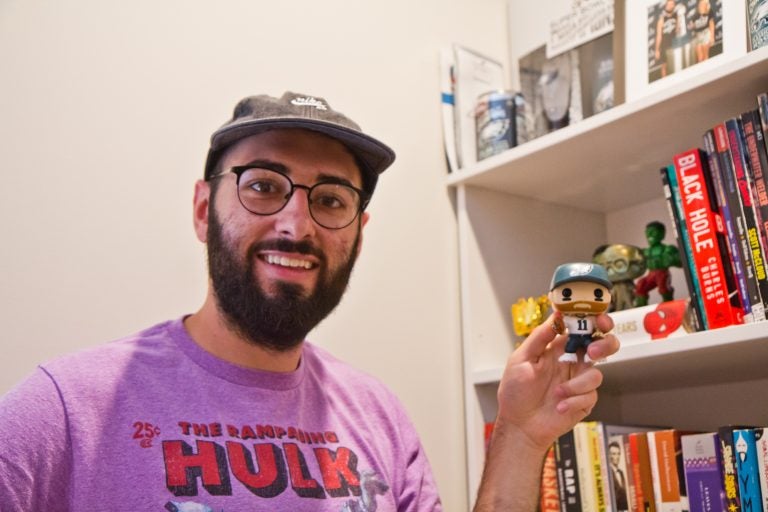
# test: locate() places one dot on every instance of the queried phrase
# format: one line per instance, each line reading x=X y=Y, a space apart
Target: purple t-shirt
x=153 y=422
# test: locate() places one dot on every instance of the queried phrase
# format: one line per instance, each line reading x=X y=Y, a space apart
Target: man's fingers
x=536 y=342
x=604 y=347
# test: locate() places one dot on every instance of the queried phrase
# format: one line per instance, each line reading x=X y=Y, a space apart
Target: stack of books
x=718 y=201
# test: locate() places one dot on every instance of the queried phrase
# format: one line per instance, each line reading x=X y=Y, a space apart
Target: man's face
x=615 y=455
x=275 y=277
x=580 y=297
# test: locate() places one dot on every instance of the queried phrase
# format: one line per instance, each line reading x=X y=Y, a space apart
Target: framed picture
x=669 y=41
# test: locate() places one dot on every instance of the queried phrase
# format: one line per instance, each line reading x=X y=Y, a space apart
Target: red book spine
x=708 y=241
x=550 y=497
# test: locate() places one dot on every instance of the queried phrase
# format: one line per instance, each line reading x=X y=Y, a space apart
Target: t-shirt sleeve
x=35 y=453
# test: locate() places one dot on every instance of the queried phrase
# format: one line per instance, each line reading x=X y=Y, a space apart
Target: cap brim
x=376 y=155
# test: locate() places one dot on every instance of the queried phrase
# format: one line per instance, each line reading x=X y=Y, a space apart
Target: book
x=549 y=500
x=665 y=453
x=674 y=207
x=757 y=159
x=617 y=461
x=727 y=197
x=705 y=228
x=729 y=470
x=761 y=442
x=653 y=322
x=703 y=479
x=619 y=472
x=752 y=250
x=567 y=473
x=639 y=460
x=598 y=465
x=587 y=481
x=746 y=469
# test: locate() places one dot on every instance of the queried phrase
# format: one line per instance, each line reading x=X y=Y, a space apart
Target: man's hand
x=539 y=400
x=544 y=398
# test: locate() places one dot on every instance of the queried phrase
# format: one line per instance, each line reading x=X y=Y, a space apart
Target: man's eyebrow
x=330 y=178
x=268 y=164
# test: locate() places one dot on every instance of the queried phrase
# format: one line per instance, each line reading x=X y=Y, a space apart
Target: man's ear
x=200 y=208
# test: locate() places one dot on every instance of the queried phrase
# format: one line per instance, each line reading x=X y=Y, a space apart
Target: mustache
x=285 y=245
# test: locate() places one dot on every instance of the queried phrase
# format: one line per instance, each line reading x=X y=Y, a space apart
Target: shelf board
x=634 y=140
x=737 y=353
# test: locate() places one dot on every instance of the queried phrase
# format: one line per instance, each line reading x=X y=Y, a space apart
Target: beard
x=279 y=322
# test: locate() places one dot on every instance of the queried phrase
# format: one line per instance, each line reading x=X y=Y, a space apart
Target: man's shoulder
x=153 y=341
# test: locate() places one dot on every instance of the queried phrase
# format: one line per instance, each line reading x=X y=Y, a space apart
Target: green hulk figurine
x=658 y=258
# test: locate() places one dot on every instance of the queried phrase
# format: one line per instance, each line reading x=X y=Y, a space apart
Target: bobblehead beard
x=279 y=322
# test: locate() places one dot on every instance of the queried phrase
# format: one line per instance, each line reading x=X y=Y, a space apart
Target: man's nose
x=294 y=220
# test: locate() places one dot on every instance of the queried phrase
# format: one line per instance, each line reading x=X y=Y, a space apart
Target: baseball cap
x=570 y=272
x=256 y=114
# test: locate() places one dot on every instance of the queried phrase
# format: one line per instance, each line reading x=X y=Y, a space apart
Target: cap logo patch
x=581 y=270
x=309 y=102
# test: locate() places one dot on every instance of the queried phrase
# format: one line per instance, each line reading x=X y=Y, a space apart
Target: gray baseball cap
x=256 y=114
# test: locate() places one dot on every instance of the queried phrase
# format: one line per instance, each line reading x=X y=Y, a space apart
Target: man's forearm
x=512 y=475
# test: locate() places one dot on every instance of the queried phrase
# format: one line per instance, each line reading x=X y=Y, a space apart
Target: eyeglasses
x=333 y=205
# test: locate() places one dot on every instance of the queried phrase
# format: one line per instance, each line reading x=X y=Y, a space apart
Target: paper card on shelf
x=575 y=22
x=651 y=323
x=475 y=74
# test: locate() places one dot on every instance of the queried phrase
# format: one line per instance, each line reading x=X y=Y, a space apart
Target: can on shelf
x=496 y=122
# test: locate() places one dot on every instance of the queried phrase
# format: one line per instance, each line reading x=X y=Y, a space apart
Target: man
x=229 y=408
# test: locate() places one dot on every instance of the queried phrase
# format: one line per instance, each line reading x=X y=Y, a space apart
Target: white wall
x=105 y=112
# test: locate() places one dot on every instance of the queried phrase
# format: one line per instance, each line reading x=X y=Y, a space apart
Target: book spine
x=761 y=442
x=727 y=201
x=756 y=176
x=730 y=480
x=567 y=473
x=549 y=500
x=641 y=471
x=599 y=470
x=702 y=472
x=705 y=229
x=753 y=255
x=584 y=466
x=619 y=478
x=746 y=469
x=674 y=205
x=663 y=445
x=631 y=491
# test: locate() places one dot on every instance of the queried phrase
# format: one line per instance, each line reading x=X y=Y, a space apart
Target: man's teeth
x=274 y=259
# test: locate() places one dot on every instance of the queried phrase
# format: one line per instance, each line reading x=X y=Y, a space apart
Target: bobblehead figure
x=579 y=292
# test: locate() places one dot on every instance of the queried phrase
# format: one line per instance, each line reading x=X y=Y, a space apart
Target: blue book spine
x=746 y=469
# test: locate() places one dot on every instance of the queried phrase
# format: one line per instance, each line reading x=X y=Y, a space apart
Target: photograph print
x=681 y=34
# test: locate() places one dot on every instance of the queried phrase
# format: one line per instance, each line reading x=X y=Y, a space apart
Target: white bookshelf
x=555 y=199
